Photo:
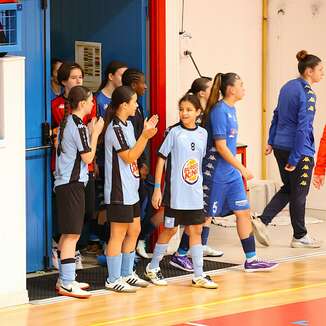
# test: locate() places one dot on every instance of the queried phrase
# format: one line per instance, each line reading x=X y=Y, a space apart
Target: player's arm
x=157 y=194
x=131 y=155
x=224 y=151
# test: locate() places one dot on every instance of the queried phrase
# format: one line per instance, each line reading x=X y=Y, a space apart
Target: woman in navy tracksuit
x=291 y=138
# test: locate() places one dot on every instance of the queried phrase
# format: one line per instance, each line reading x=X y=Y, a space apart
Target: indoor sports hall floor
x=294 y=294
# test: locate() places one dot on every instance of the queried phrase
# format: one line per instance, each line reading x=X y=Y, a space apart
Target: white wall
x=300 y=25
x=226 y=36
x=12 y=178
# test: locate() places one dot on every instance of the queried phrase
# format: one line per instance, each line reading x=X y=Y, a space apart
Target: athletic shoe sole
x=73 y=295
x=180 y=267
x=260 y=269
x=302 y=245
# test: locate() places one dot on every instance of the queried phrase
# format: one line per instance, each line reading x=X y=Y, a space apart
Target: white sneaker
x=79 y=258
x=55 y=262
x=140 y=249
x=120 y=285
x=155 y=276
x=260 y=231
x=305 y=242
x=211 y=252
x=135 y=280
x=81 y=285
x=204 y=281
x=73 y=290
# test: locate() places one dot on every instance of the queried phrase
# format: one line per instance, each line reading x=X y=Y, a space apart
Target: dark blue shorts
x=220 y=197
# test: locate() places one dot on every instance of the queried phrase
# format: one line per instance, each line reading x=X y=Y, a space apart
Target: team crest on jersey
x=233 y=133
x=190 y=171
x=134 y=169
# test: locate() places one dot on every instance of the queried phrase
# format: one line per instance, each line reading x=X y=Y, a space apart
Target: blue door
x=36 y=49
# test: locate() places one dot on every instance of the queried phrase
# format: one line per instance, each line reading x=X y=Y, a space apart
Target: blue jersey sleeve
x=218 y=120
x=301 y=132
x=167 y=144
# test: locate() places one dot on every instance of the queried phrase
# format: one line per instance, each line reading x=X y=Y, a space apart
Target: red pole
x=157 y=72
x=157 y=81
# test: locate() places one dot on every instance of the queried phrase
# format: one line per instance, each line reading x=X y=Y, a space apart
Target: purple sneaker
x=259 y=265
x=182 y=262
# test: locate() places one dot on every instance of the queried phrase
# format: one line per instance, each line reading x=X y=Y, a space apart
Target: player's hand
x=157 y=198
x=96 y=125
x=150 y=129
x=318 y=181
x=289 y=167
x=246 y=173
x=268 y=149
x=152 y=121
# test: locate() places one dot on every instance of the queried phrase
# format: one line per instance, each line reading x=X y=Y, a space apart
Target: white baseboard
x=13 y=298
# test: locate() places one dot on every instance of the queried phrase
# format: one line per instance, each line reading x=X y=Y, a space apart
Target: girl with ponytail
x=292 y=141
x=224 y=190
x=121 y=188
x=76 y=148
x=68 y=76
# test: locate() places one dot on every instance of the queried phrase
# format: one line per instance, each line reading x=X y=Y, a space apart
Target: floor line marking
x=214 y=303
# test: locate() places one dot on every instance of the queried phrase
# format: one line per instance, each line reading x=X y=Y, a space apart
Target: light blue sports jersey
x=69 y=165
x=121 y=179
x=102 y=102
x=222 y=124
x=184 y=150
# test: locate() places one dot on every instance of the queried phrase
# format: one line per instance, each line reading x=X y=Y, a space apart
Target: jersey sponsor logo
x=241 y=203
x=134 y=169
x=190 y=171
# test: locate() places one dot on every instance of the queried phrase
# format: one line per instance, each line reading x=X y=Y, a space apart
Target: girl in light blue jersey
x=201 y=87
x=76 y=148
x=121 y=188
x=223 y=186
x=182 y=152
